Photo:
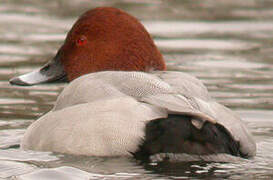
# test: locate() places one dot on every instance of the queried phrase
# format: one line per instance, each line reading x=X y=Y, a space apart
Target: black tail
x=176 y=134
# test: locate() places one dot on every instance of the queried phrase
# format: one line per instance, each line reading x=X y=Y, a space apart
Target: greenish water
x=227 y=44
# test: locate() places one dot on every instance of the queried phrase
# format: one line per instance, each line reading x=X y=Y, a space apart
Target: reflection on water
x=227 y=44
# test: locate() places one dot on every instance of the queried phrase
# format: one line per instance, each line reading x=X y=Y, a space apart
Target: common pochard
x=121 y=101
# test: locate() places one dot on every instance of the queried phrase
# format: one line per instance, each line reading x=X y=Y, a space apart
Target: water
x=227 y=44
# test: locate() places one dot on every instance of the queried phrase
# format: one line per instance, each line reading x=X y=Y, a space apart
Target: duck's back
x=113 y=113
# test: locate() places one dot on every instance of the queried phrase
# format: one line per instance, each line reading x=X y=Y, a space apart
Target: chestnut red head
x=104 y=39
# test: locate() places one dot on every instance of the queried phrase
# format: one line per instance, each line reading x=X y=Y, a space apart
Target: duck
x=122 y=101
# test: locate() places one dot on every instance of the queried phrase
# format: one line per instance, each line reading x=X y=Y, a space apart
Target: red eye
x=81 y=41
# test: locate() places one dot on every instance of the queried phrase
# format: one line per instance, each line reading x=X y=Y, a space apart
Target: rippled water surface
x=227 y=44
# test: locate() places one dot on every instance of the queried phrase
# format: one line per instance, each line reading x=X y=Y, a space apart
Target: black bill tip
x=53 y=71
x=17 y=81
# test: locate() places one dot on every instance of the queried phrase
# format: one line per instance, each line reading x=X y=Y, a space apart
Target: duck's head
x=101 y=39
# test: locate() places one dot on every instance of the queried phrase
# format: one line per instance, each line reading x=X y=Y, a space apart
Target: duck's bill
x=53 y=71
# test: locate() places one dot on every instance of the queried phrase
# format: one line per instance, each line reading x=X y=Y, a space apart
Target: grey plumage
x=146 y=97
